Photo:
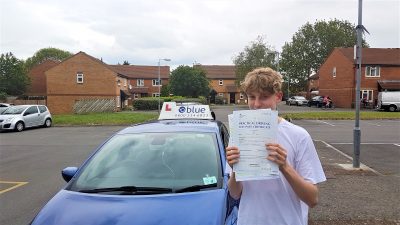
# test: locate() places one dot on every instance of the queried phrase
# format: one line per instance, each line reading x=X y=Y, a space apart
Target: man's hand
x=232 y=155
x=276 y=154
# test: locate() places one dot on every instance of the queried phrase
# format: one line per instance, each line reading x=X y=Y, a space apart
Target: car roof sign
x=172 y=111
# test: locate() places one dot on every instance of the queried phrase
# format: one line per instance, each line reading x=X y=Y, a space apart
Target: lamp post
x=159 y=81
x=276 y=53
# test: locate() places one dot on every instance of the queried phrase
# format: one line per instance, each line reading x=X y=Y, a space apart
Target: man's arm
x=305 y=190
x=235 y=187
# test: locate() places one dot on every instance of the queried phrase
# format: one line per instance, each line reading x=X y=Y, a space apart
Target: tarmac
x=354 y=196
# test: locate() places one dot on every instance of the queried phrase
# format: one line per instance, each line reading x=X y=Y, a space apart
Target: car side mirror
x=68 y=173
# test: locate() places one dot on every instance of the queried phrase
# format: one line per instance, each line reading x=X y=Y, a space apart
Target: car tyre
x=19 y=126
x=47 y=123
x=392 y=108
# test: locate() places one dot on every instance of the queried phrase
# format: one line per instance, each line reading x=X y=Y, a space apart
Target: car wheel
x=392 y=108
x=19 y=126
x=297 y=104
x=47 y=123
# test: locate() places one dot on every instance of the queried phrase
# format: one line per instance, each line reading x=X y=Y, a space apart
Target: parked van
x=389 y=100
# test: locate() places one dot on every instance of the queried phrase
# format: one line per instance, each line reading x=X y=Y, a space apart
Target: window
x=367 y=94
x=156 y=94
x=126 y=102
x=130 y=86
x=119 y=82
x=79 y=78
x=125 y=82
x=221 y=94
x=372 y=71
x=221 y=82
x=157 y=82
x=334 y=72
x=31 y=110
x=42 y=109
x=140 y=82
x=241 y=96
x=135 y=96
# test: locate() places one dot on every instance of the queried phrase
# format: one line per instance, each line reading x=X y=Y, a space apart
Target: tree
x=126 y=62
x=189 y=81
x=13 y=75
x=257 y=54
x=311 y=45
x=47 y=54
x=165 y=90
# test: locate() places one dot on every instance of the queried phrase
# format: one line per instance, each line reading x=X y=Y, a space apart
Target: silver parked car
x=23 y=116
x=297 y=100
x=4 y=106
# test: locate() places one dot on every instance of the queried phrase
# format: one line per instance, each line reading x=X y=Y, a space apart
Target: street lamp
x=277 y=68
x=159 y=81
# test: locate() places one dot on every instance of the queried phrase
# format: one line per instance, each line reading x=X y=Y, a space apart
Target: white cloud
x=187 y=31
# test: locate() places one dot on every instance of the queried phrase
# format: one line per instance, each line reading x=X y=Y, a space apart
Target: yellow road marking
x=17 y=184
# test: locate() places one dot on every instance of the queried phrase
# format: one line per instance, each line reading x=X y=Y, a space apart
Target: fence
x=94 y=105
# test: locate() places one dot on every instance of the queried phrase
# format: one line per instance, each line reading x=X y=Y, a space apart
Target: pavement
x=354 y=196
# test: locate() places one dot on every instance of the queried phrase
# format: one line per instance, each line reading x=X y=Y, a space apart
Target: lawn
x=120 y=118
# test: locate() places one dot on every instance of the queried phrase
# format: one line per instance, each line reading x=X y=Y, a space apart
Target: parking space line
x=349 y=157
x=326 y=123
x=397 y=145
x=16 y=184
x=364 y=143
x=375 y=124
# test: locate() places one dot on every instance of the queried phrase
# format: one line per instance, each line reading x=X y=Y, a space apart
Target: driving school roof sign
x=172 y=111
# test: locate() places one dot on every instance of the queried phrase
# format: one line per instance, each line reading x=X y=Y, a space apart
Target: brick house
x=312 y=85
x=222 y=81
x=380 y=71
x=37 y=77
x=80 y=77
x=143 y=80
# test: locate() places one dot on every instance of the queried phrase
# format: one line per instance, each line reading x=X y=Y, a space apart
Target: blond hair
x=263 y=80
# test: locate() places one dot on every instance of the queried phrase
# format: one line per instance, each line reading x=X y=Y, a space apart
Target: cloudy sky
x=186 y=31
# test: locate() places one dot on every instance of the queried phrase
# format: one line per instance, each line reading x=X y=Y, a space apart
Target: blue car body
x=208 y=206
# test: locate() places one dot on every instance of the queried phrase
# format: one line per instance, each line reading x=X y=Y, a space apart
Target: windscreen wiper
x=197 y=187
x=130 y=190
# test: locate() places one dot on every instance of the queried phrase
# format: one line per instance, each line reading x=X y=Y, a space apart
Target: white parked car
x=4 y=106
x=23 y=116
x=298 y=100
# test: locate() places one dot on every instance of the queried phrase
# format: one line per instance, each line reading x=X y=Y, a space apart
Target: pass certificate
x=252 y=129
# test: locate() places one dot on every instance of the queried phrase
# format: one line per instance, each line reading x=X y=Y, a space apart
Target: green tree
x=257 y=54
x=165 y=90
x=189 y=82
x=126 y=62
x=13 y=75
x=46 y=54
x=311 y=45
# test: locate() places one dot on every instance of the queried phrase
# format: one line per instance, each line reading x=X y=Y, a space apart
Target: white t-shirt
x=273 y=202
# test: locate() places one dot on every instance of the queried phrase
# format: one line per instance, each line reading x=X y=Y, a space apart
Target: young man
x=284 y=200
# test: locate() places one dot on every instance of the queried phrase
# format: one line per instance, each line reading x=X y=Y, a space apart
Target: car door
x=42 y=115
x=31 y=116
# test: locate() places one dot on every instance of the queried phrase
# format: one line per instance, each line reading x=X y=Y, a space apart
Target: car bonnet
x=67 y=207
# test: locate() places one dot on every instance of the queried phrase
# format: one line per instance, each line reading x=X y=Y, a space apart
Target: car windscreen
x=161 y=160
x=14 y=110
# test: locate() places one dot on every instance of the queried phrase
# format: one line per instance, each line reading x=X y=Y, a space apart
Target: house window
x=334 y=72
x=125 y=82
x=119 y=82
x=367 y=94
x=221 y=94
x=156 y=82
x=135 y=96
x=241 y=96
x=130 y=86
x=140 y=82
x=372 y=71
x=221 y=82
x=79 y=78
x=156 y=94
x=126 y=102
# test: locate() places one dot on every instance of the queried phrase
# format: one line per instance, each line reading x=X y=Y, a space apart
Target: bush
x=220 y=100
x=3 y=96
x=146 y=103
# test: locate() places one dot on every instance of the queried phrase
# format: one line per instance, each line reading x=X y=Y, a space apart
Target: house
x=222 y=81
x=37 y=87
x=80 y=80
x=143 y=80
x=380 y=71
x=312 y=85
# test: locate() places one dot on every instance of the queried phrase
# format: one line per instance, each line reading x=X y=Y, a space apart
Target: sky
x=210 y=32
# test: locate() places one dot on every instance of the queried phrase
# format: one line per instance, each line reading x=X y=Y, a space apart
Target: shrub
x=146 y=103
x=220 y=100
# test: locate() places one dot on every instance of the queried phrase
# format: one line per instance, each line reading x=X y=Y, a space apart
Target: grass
x=373 y=115
x=104 y=118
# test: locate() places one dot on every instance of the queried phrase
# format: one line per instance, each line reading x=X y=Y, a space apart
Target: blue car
x=169 y=171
